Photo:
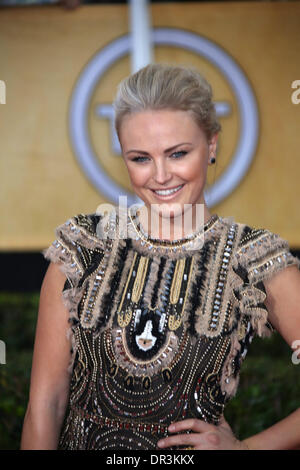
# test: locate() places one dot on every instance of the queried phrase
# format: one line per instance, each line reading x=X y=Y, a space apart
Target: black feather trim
x=196 y=288
x=158 y=281
x=108 y=297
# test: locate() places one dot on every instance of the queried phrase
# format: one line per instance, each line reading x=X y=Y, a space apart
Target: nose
x=162 y=172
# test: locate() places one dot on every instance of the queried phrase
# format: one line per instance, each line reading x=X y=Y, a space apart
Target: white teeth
x=166 y=192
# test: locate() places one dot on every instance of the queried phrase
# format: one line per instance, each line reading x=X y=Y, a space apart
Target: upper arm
x=49 y=375
x=283 y=302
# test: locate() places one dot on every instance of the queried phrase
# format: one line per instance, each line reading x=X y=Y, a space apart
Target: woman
x=160 y=324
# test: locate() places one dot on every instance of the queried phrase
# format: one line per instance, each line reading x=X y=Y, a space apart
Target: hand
x=205 y=436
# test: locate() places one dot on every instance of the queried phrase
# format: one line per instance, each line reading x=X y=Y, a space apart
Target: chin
x=170 y=210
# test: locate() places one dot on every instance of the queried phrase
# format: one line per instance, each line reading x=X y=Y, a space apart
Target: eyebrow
x=165 y=151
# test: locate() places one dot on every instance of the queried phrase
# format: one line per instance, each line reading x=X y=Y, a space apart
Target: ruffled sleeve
x=78 y=250
x=259 y=256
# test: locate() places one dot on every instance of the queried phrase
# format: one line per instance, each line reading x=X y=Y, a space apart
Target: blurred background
x=60 y=65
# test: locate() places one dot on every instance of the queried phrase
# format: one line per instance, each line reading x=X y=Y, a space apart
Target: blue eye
x=139 y=159
x=179 y=154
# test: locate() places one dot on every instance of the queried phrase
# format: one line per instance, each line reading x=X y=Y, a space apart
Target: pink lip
x=171 y=196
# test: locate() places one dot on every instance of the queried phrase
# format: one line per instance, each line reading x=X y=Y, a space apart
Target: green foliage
x=268 y=389
x=17 y=327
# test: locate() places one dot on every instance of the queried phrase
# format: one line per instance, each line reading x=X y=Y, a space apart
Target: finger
x=208 y=440
x=196 y=425
x=178 y=440
x=224 y=423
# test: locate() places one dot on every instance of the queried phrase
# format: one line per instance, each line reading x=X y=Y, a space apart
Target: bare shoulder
x=49 y=375
x=51 y=307
x=283 y=287
x=54 y=280
x=283 y=302
x=287 y=279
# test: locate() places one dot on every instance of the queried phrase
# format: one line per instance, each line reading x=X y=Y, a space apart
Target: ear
x=213 y=144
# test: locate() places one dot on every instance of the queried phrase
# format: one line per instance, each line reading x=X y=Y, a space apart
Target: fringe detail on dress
x=71 y=230
x=230 y=380
x=194 y=320
x=200 y=314
x=66 y=262
x=103 y=318
x=250 y=300
x=153 y=279
x=265 y=256
x=124 y=271
x=253 y=263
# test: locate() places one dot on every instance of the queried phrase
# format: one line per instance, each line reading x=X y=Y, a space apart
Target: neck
x=168 y=227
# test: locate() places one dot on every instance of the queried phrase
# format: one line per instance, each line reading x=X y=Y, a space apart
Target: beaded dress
x=159 y=329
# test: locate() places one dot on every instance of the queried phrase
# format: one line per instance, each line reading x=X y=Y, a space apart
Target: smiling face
x=166 y=154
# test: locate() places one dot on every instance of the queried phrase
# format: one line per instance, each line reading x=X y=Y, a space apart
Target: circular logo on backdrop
x=89 y=80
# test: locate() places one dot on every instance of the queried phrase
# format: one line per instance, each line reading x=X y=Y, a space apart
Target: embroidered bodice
x=159 y=330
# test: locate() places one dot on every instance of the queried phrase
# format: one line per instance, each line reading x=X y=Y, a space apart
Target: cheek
x=194 y=170
x=138 y=176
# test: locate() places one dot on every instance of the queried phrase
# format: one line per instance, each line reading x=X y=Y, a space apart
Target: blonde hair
x=162 y=86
